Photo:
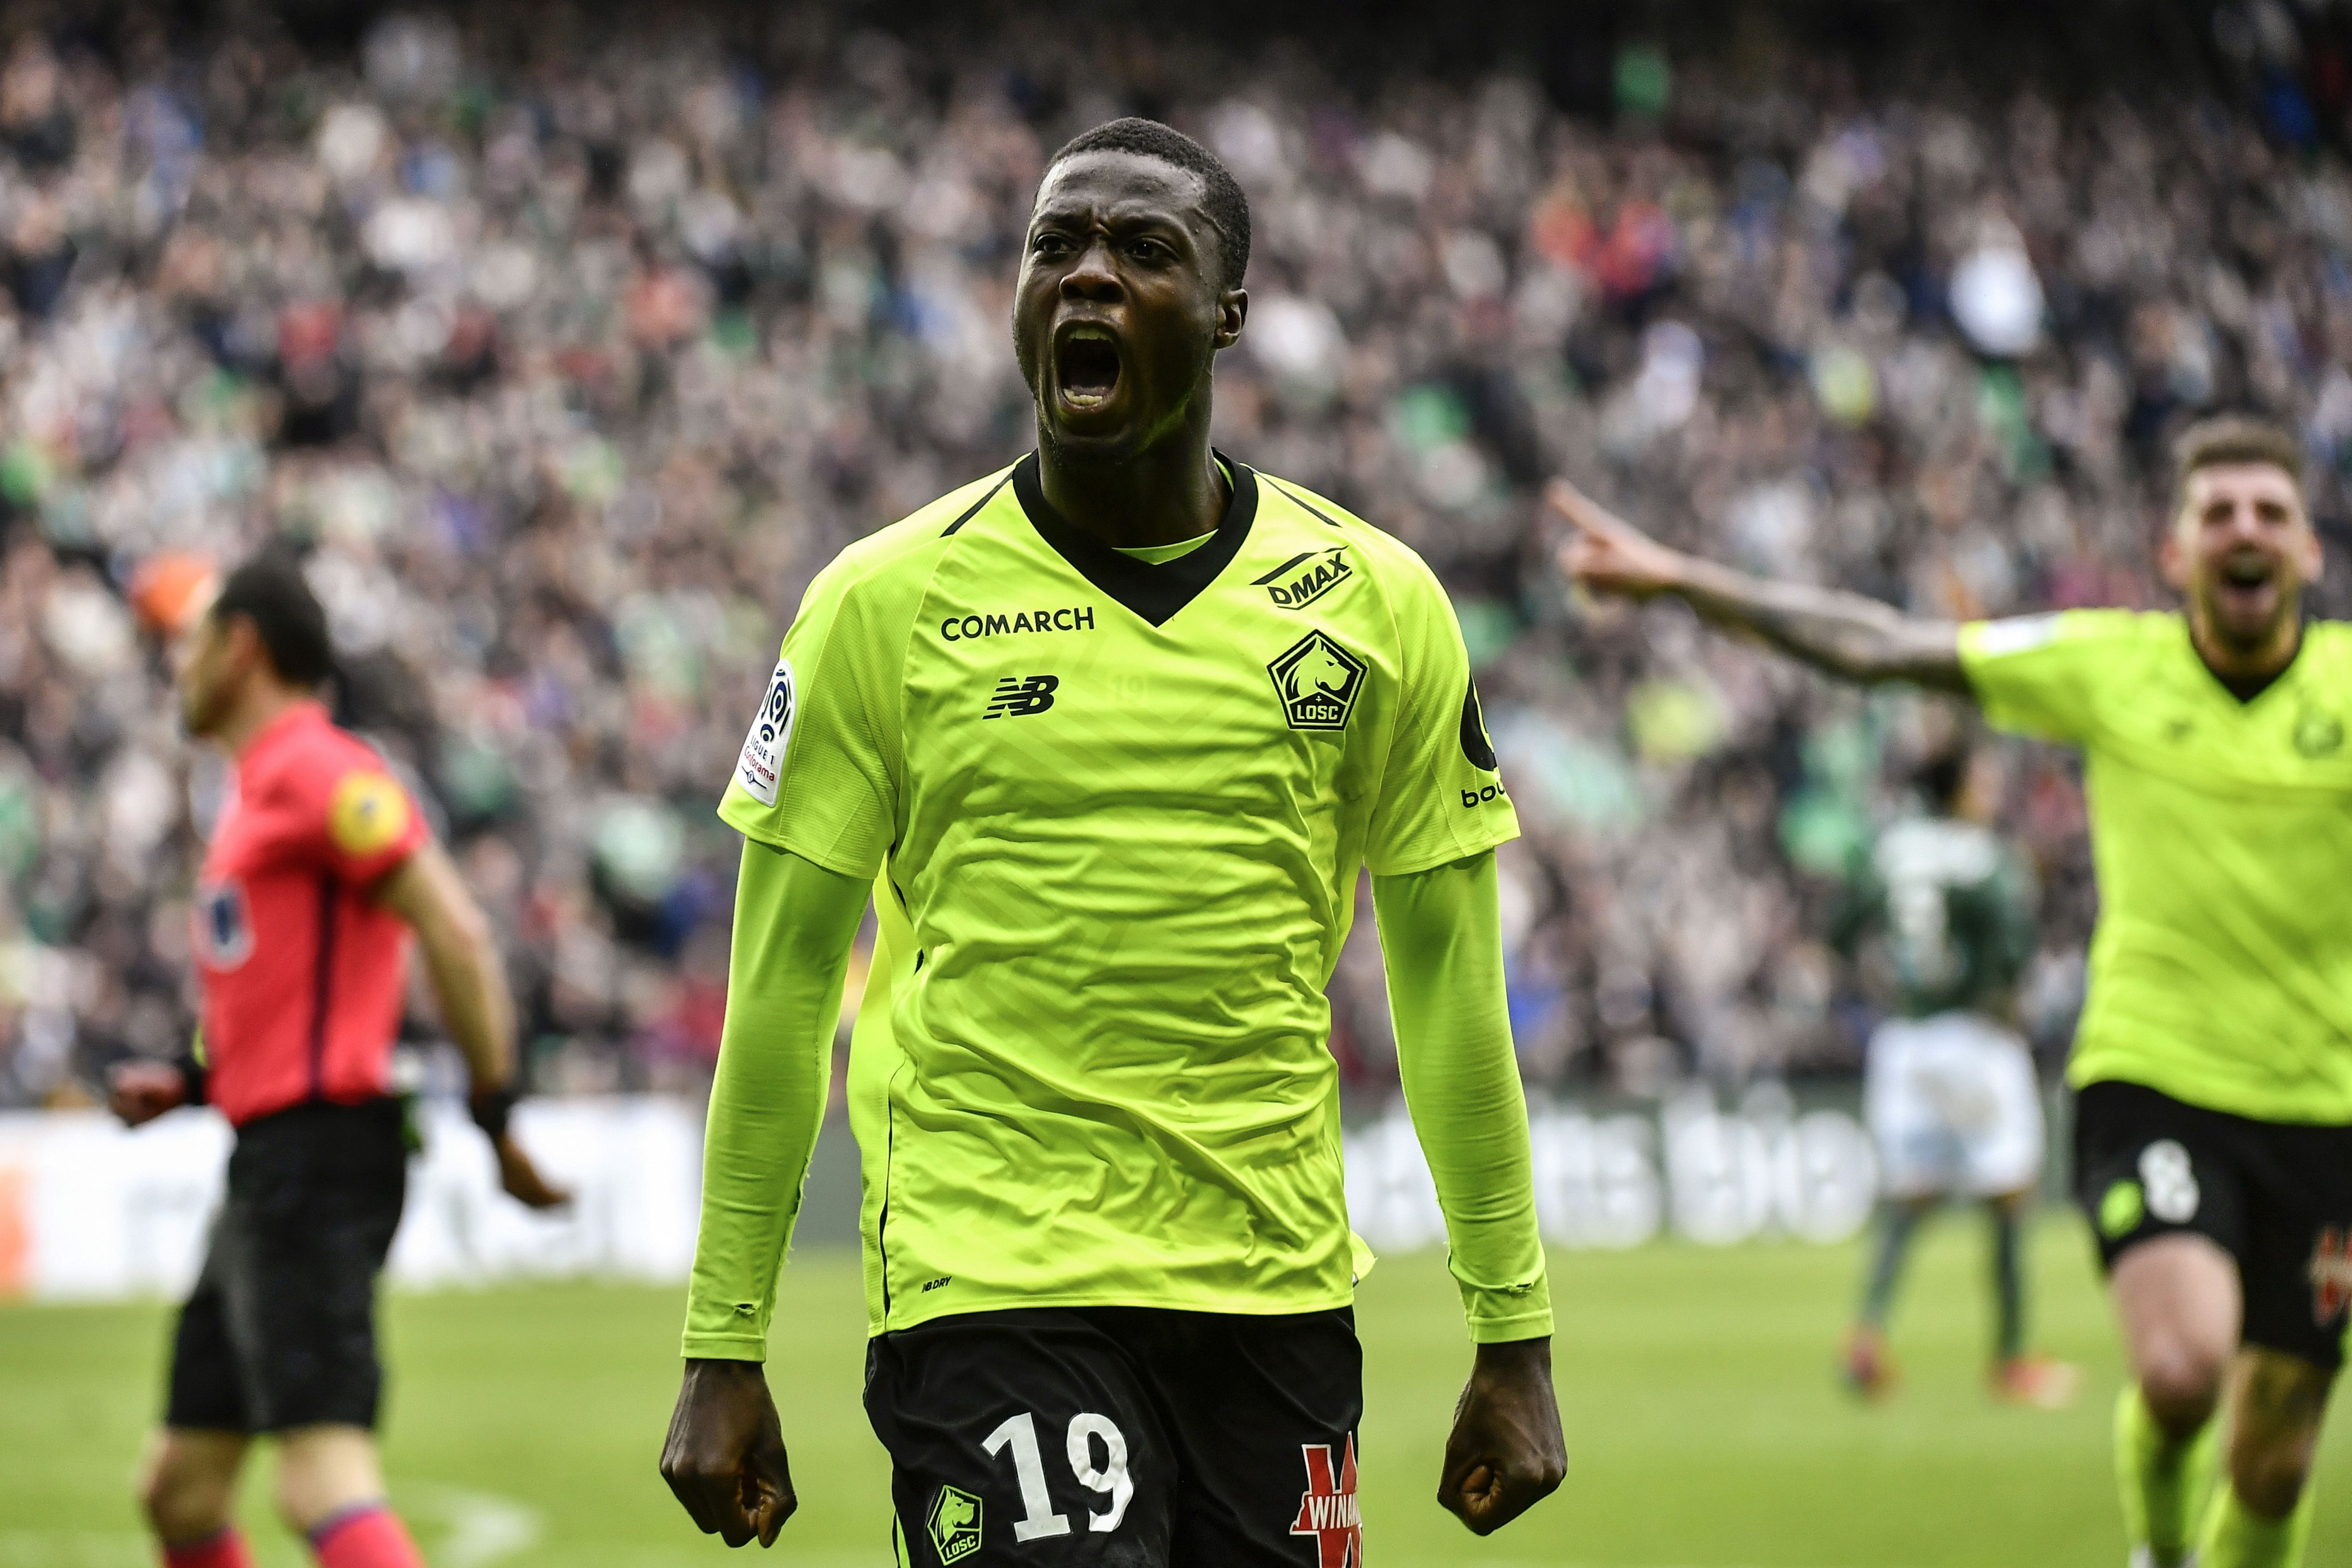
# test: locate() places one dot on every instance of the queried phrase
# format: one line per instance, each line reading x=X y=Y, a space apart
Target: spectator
x=571 y=356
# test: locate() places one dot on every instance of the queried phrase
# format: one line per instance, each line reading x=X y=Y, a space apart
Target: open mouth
x=1087 y=366
x=2247 y=576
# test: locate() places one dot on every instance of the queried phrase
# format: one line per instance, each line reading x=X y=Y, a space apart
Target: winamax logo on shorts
x=1328 y=1512
x=1317 y=681
x=2331 y=1277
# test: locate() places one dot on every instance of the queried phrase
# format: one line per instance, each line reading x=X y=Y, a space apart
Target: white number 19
x=1112 y=1480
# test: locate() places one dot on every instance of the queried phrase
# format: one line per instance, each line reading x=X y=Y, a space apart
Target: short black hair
x=270 y=591
x=1221 y=201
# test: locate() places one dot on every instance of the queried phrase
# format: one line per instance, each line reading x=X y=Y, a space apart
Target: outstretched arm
x=1844 y=634
x=1442 y=941
x=794 y=922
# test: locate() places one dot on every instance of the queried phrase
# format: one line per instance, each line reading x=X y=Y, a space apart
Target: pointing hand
x=1605 y=553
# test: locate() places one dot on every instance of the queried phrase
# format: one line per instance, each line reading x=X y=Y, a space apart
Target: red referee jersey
x=303 y=974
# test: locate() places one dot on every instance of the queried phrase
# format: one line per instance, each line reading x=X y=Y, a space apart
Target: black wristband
x=491 y=1107
x=191 y=1074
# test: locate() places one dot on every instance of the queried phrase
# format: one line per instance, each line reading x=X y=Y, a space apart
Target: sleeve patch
x=761 y=766
x=1476 y=749
x=2018 y=634
x=368 y=815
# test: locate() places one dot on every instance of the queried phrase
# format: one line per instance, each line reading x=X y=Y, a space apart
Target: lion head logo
x=1317 y=681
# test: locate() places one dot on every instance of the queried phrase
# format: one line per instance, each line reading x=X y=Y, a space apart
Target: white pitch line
x=482 y=1527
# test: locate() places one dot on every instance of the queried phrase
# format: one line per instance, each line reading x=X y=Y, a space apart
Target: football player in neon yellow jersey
x=1109 y=735
x=2213 y=1060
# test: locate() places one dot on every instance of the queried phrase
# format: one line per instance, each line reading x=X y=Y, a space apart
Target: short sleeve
x=1441 y=798
x=371 y=824
x=2040 y=675
x=816 y=774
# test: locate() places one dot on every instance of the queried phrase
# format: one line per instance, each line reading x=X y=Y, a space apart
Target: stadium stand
x=571 y=351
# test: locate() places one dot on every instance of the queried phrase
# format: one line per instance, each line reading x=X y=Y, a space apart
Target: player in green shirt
x=1942 y=912
x=1109 y=735
x=2213 y=1059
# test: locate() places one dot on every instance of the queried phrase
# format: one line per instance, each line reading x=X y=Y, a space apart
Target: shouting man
x=1108 y=736
x=2213 y=1060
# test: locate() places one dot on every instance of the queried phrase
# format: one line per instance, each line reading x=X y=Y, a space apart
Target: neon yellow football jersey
x=2221 y=973
x=1115 y=811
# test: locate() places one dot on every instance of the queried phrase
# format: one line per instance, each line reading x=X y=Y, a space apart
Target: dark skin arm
x=1441 y=943
x=724 y=1456
x=725 y=1459
x=795 y=924
x=1844 y=635
x=1505 y=1453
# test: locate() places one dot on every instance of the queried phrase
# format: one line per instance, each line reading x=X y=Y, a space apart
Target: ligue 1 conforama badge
x=223 y=925
x=1317 y=681
x=1330 y=1512
x=761 y=766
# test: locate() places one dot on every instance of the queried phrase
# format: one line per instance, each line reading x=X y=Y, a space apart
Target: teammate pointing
x=2214 y=1054
x=1109 y=735
x=318 y=871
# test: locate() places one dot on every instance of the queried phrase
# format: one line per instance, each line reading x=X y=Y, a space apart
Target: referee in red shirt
x=318 y=872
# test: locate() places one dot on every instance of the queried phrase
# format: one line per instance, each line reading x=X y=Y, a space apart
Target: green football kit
x=1113 y=807
x=1953 y=906
x=2213 y=1058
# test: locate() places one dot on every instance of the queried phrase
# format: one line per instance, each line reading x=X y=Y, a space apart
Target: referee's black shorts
x=279 y=1332
x=2276 y=1197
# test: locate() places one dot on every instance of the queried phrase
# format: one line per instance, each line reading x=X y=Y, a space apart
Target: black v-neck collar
x=2256 y=689
x=1154 y=592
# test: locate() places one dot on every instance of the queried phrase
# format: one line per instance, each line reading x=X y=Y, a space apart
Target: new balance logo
x=1015 y=698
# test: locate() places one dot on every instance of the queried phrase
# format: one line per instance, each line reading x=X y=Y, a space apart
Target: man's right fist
x=141 y=1091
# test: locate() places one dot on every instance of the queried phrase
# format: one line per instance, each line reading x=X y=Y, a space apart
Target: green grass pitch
x=1704 y=1429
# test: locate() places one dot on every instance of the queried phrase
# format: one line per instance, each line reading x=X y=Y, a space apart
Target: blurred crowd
x=571 y=352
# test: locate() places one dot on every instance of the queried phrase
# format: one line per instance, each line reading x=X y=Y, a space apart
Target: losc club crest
x=2318 y=734
x=1317 y=681
x=953 y=1525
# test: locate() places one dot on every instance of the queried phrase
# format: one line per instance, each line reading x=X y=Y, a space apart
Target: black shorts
x=2276 y=1197
x=281 y=1328
x=1133 y=1437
